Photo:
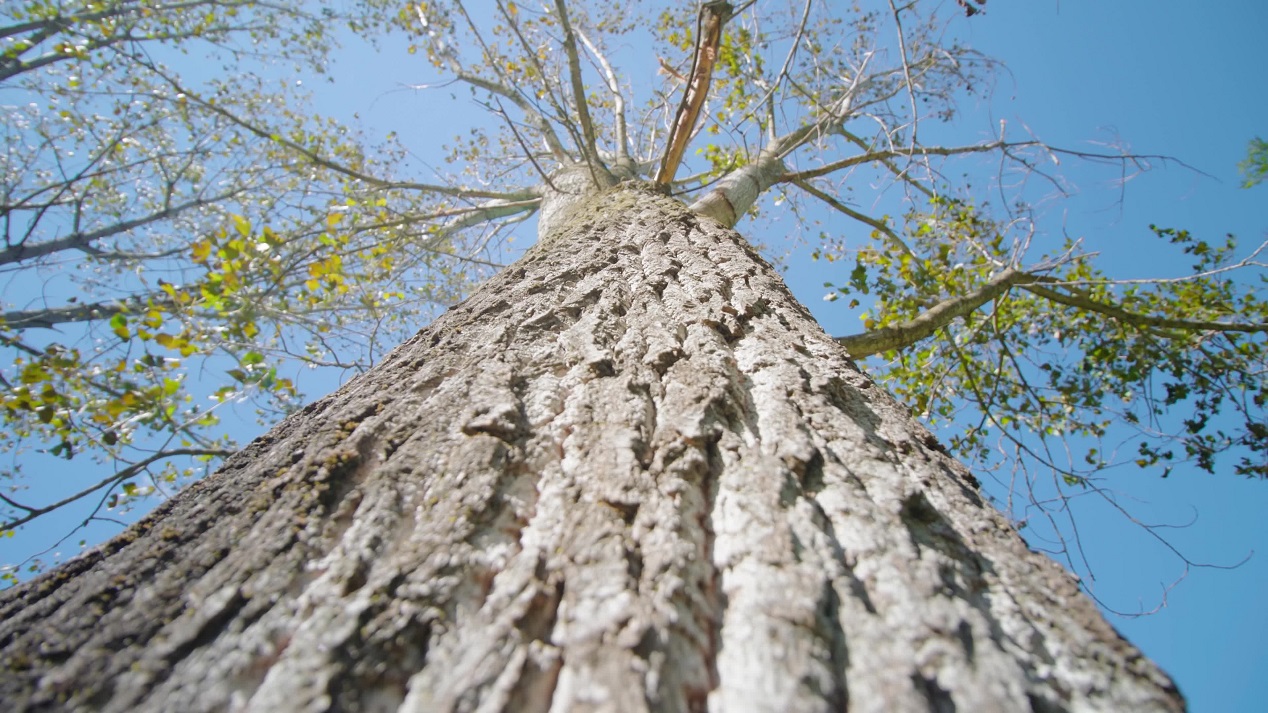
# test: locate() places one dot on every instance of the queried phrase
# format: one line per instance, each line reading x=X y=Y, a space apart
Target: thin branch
x=553 y=143
x=833 y=114
x=528 y=153
x=35 y=512
x=49 y=317
x=618 y=99
x=899 y=173
x=507 y=89
x=1082 y=301
x=911 y=86
x=84 y=241
x=1248 y=261
x=768 y=97
x=880 y=156
x=589 y=148
x=885 y=230
x=324 y=162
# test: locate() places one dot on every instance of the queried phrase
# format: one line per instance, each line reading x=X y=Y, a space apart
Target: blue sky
x=1161 y=77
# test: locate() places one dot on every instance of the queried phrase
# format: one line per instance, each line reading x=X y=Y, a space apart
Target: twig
x=33 y=513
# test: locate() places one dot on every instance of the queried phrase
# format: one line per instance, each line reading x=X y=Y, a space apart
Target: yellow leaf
x=201 y=250
x=242 y=225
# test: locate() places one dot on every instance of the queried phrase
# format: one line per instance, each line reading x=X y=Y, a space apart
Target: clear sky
x=1163 y=77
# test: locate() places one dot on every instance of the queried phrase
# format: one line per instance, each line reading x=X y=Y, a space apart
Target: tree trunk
x=631 y=473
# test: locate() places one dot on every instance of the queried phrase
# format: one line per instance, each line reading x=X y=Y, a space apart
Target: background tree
x=782 y=93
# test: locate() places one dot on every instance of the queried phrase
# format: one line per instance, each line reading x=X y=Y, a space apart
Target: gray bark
x=631 y=473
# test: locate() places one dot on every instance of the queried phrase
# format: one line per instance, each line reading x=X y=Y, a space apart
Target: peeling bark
x=631 y=473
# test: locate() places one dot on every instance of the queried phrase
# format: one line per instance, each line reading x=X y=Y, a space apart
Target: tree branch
x=50 y=317
x=328 y=163
x=881 y=156
x=553 y=143
x=34 y=512
x=589 y=148
x=1082 y=301
x=875 y=224
x=506 y=89
x=940 y=315
x=932 y=319
x=84 y=241
x=622 y=147
x=713 y=15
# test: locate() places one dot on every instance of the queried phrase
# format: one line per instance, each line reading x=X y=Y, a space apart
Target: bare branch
x=528 y=153
x=880 y=156
x=84 y=241
x=589 y=148
x=35 y=512
x=553 y=143
x=906 y=62
x=618 y=100
x=877 y=225
x=768 y=98
x=505 y=88
x=1249 y=261
x=327 y=163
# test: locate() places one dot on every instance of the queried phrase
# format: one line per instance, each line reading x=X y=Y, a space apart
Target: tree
x=793 y=99
x=629 y=473
x=340 y=258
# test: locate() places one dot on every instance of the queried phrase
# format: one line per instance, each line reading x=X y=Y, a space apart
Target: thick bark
x=631 y=473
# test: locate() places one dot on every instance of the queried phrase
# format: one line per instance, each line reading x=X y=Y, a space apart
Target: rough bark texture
x=631 y=473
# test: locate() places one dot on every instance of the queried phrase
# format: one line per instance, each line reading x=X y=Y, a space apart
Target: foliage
x=174 y=235
x=1069 y=355
x=1255 y=166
